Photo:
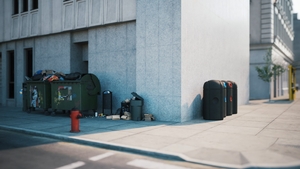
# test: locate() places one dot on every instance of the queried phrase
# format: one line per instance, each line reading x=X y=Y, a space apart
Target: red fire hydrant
x=75 y=115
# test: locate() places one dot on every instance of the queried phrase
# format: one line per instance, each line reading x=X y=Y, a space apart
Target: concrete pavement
x=261 y=135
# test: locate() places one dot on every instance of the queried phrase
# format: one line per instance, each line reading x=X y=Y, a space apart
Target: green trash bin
x=43 y=97
x=136 y=107
x=81 y=93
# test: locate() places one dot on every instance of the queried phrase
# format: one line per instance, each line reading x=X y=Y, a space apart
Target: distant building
x=271 y=26
x=164 y=50
x=296 y=63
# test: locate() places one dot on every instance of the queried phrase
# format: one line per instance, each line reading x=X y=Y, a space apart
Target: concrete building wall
x=158 y=57
x=112 y=58
x=255 y=28
x=270 y=28
x=297 y=48
x=53 y=53
x=176 y=53
x=258 y=88
x=58 y=16
x=209 y=49
x=166 y=55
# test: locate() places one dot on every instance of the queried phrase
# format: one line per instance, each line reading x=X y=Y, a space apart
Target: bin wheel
x=53 y=113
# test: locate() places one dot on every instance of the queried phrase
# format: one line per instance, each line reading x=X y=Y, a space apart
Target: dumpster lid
x=137 y=96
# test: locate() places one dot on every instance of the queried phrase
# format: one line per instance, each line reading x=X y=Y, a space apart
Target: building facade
x=271 y=27
x=296 y=64
x=163 y=50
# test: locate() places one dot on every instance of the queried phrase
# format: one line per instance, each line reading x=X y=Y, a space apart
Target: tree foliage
x=270 y=69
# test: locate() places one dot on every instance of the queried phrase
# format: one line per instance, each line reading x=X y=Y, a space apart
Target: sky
x=296 y=7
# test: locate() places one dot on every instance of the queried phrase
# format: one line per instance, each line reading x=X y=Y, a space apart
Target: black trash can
x=107 y=103
x=214 y=100
x=225 y=86
x=234 y=98
x=136 y=106
x=125 y=107
x=229 y=98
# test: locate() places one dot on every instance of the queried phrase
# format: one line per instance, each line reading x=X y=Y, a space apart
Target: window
x=11 y=74
x=28 y=62
x=25 y=5
x=15 y=7
x=34 y=4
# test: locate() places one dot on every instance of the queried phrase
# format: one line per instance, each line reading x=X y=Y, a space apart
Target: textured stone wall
x=158 y=58
x=112 y=58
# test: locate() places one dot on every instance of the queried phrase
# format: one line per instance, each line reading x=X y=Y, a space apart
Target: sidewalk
x=261 y=135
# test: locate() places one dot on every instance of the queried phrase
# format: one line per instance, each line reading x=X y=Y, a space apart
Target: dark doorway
x=28 y=60
x=11 y=74
x=1 y=77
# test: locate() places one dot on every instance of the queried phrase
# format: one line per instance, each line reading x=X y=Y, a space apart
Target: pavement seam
x=273 y=121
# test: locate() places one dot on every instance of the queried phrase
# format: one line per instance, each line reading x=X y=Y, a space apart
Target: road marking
x=72 y=165
x=152 y=165
x=101 y=156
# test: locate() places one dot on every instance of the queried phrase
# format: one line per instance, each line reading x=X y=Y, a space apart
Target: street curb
x=144 y=151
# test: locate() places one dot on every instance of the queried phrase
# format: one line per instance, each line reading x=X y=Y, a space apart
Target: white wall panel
x=46 y=17
x=111 y=11
x=34 y=23
x=127 y=10
x=57 y=16
x=213 y=47
x=15 y=27
x=68 y=16
x=24 y=25
x=7 y=20
x=96 y=12
x=81 y=13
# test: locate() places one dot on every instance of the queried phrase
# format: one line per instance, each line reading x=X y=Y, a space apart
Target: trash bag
x=53 y=78
x=37 y=77
x=73 y=76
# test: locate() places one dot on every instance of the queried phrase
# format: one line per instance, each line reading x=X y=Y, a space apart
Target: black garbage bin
x=234 y=98
x=136 y=106
x=107 y=103
x=225 y=86
x=229 y=98
x=214 y=100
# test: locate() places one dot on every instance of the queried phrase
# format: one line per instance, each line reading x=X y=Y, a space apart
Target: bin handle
x=97 y=88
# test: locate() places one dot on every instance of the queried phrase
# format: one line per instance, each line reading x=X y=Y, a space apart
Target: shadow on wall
x=194 y=111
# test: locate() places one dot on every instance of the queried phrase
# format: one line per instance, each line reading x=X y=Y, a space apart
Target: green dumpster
x=43 y=95
x=81 y=93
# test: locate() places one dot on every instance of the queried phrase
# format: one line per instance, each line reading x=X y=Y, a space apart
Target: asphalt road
x=19 y=150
